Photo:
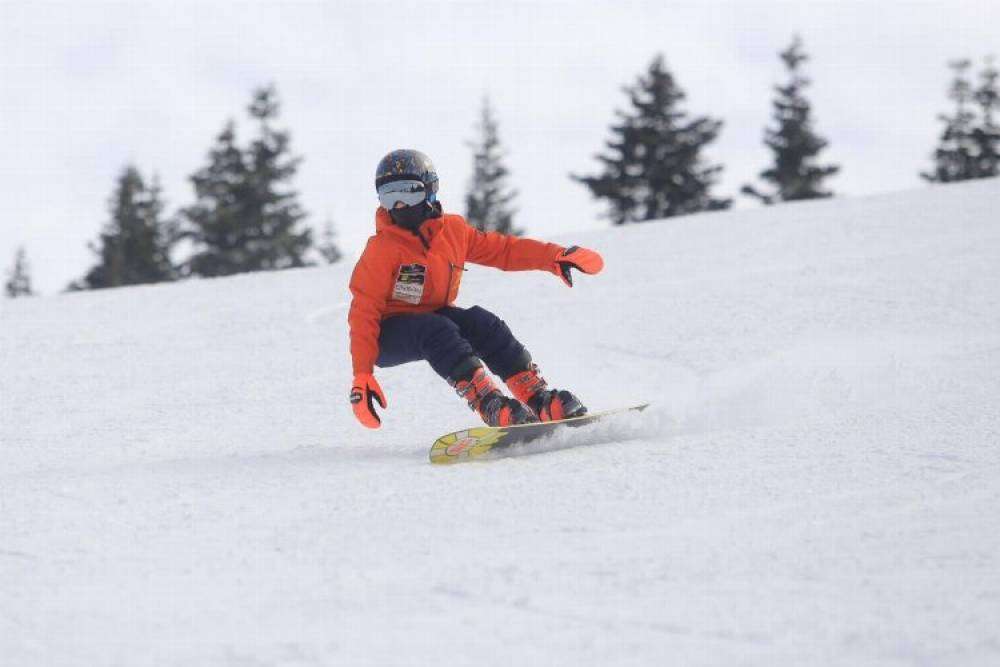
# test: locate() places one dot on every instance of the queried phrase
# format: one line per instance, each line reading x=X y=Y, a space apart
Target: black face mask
x=411 y=217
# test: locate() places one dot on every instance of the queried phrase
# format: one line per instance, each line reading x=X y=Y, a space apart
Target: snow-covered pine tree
x=987 y=133
x=653 y=167
x=134 y=246
x=246 y=217
x=488 y=201
x=792 y=139
x=954 y=158
x=327 y=247
x=19 y=277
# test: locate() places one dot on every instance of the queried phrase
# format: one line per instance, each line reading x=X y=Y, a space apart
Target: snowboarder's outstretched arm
x=512 y=253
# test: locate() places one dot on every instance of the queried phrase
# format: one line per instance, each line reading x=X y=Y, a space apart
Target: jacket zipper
x=424 y=242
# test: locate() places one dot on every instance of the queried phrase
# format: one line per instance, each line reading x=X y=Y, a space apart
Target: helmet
x=414 y=177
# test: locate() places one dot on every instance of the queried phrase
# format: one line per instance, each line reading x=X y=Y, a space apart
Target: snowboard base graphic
x=481 y=442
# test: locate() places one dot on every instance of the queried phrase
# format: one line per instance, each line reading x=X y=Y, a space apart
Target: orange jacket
x=400 y=272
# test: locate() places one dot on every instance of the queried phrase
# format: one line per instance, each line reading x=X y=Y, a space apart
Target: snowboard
x=481 y=442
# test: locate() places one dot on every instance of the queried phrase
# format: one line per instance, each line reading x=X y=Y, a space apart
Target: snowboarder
x=404 y=288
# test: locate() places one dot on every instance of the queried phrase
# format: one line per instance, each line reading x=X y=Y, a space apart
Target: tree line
x=246 y=215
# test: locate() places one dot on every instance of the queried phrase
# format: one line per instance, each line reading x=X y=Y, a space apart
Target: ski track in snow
x=817 y=481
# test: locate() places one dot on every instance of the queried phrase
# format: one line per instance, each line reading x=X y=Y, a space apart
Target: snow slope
x=182 y=482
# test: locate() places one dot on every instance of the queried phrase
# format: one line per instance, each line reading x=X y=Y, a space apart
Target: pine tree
x=215 y=221
x=654 y=168
x=954 y=158
x=793 y=141
x=135 y=244
x=488 y=202
x=986 y=136
x=19 y=277
x=246 y=216
x=328 y=247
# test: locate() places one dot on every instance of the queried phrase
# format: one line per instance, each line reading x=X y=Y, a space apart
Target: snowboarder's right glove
x=578 y=258
x=364 y=392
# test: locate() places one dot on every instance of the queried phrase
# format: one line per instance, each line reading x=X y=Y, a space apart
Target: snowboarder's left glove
x=364 y=392
x=577 y=258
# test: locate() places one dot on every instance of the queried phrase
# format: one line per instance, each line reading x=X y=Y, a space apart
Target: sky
x=87 y=88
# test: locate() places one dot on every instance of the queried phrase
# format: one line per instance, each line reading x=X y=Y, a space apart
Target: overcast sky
x=86 y=88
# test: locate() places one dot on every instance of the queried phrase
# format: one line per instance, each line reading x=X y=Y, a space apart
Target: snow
x=817 y=482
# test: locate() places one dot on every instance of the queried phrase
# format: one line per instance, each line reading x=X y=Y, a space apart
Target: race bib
x=410 y=283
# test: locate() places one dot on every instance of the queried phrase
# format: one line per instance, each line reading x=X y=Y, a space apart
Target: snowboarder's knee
x=482 y=316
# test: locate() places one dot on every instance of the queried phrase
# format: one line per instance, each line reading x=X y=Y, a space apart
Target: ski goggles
x=409 y=193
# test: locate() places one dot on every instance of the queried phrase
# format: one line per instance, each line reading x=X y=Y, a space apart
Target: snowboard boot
x=548 y=404
x=484 y=398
